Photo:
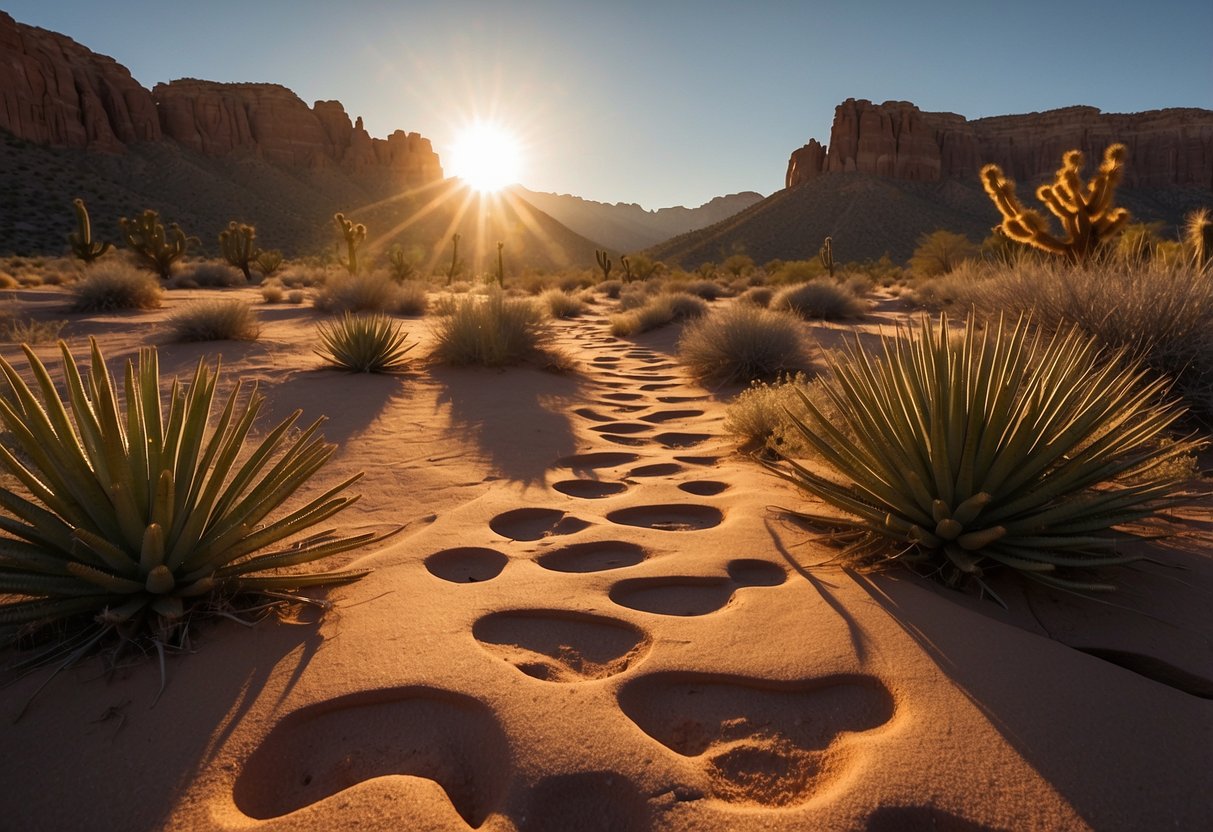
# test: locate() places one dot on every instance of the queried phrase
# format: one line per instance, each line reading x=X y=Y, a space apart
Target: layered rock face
x=896 y=139
x=54 y=91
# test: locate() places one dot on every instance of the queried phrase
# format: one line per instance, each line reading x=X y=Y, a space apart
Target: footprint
x=592 y=415
x=606 y=359
x=588 y=800
x=630 y=441
x=589 y=489
x=596 y=556
x=647 y=376
x=660 y=469
x=670 y=415
x=594 y=461
x=698 y=460
x=675 y=439
x=675 y=517
x=690 y=596
x=622 y=427
x=622 y=397
x=535 y=523
x=661 y=386
x=703 y=488
x=762 y=742
x=681 y=399
x=466 y=564
x=419 y=732
x=561 y=645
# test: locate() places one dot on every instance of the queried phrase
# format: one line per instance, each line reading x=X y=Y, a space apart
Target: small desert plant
x=353 y=234
x=365 y=292
x=272 y=292
x=363 y=343
x=295 y=296
x=132 y=521
x=19 y=329
x=401 y=266
x=238 y=244
x=658 y=311
x=940 y=252
x=610 y=288
x=221 y=319
x=706 y=289
x=210 y=275
x=268 y=262
x=761 y=417
x=561 y=304
x=156 y=247
x=743 y=343
x=412 y=298
x=998 y=449
x=757 y=296
x=114 y=285
x=492 y=331
x=81 y=240
x=822 y=298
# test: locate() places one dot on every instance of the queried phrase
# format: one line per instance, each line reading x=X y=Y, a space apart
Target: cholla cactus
x=158 y=248
x=238 y=245
x=81 y=239
x=1199 y=234
x=354 y=234
x=1085 y=211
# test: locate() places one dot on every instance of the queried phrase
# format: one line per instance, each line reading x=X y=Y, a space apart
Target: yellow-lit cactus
x=1086 y=212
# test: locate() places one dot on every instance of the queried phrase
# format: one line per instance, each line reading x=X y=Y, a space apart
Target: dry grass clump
x=491 y=331
x=370 y=292
x=412 y=298
x=272 y=292
x=761 y=417
x=757 y=296
x=561 y=304
x=661 y=310
x=18 y=329
x=610 y=288
x=209 y=275
x=822 y=299
x=955 y=288
x=115 y=285
x=742 y=343
x=217 y=319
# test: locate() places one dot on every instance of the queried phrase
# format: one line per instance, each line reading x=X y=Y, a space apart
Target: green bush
x=492 y=331
x=363 y=343
x=224 y=319
x=992 y=450
x=113 y=285
x=743 y=343
x=823 y=299
x=130 y=522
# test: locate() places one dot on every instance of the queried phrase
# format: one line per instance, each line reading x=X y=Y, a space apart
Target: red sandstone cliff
x=54 y=91
x=896 y=139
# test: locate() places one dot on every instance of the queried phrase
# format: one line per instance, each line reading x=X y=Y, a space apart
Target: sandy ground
x=595 y=617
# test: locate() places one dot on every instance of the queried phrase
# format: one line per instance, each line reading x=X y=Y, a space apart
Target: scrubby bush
x=822 y=298
x=757 y=296
x=706 y=289
x=940 y=252
x=491 y=331
x=610 y=288
x=992 y=450
x=208 y=274
x=131 y=523
x=760 y=418
x=412 y=298
x=20 y=329
x=358 y=292
x=222 y=319
x=743 y=343
x=561 y=304
x=663 y=309
x=787 y=273
x=272 y=292
x=112 y=285
x=363 y=343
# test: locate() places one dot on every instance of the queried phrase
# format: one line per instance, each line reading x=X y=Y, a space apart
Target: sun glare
x=486 y=156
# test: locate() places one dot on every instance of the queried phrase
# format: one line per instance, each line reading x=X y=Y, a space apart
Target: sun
x=486 y=156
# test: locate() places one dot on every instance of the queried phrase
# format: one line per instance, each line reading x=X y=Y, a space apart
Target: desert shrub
x=761 y=417
x=941 y=251
x=112 y=285
x=216 y=319
x=822 y=298
x=743 y=343
x=492 y=331
x=304 y=276
x=757 y=296
x=706 y=289
x=633 y=296
x=209 y=275
x=858 y=283
x=663 y=309
x=1161 y=314
x=272 y=292
x=610 y=288
x=411 y=298
x=7 y=281
x=295 y=296
x=268 y=262
x=20 y=329
x=572 y=282
x=738 y=264
x=791 y=272
x=181 y=537
x=953 y=289
x=358 y=292
x=992 y=449
x=561 y=304
x=363 y=343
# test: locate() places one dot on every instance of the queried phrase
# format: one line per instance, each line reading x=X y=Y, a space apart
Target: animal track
x=561 y=645
x=589 y=489
x=467 y=564
x=689 y=596
x=596 y=556
x=594 y=461
x=675 y=517
x=703 y=488
x=535 y=523
x=323 y=749
x=763 y=742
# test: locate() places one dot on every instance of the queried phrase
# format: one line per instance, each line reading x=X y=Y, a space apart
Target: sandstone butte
x=1171 y=147
x=54 y=91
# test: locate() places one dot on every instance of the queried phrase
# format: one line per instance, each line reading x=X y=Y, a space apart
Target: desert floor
x=595 y=616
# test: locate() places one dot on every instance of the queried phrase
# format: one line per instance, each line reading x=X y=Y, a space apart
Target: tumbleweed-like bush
x=215 y=319
x=743 y=343
x=1006 y=449
x=492 y=331
x=821 y=298
x=114 y=285
x=363 y=343
x=134 y=513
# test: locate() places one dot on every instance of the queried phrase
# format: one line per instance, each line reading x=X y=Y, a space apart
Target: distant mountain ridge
x=627 y=227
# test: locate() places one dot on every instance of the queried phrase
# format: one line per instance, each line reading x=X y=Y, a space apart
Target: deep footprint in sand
x=691 y=595
x=622 y=397
x=535 y=523
x=622 y=427
x=593 y=415
x=763 y=743
x=466 y=564
x=593 y=556
x=657 y=469
x=670 y=415
x=679 y=440
x=419 y=732
x=589 y=489
x=595 y=461
x=561 y=645
x=673 y=517
x=704 y=488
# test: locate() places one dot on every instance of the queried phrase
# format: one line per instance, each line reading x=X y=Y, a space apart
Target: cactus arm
x=81 y=240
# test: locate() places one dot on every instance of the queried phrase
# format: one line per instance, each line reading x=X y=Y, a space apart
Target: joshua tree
x=456 y=265
x=1085 y=211
x=159 y=249
x=1199 y=233
x=604 y=263
x=81 y=239
x=354 y=234
x=238 y=245
x=827 y=255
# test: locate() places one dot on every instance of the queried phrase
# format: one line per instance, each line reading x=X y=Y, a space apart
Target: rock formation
x=895 y=139
x=54 y=91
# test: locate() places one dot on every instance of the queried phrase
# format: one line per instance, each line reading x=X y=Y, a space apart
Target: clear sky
x=659 y=102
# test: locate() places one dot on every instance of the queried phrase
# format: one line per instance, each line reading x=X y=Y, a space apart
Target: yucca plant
x=364 y=343
x=135 y=515
x=1005 y=448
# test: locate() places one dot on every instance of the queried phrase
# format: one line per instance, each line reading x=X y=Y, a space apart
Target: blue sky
x=660 y=103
